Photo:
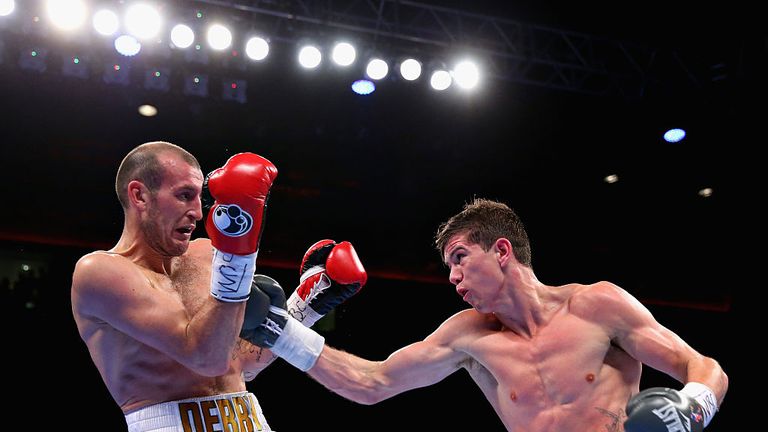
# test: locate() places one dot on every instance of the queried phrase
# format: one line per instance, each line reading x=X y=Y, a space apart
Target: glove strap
x=298 y=345
x=704 y=396
x=231 y=276
x=300 y=310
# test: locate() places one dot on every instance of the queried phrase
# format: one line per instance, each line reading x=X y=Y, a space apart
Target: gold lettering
x=227 y=415
x=254 y=411
x=241 y=410
x=209 y=418
x=185 y=410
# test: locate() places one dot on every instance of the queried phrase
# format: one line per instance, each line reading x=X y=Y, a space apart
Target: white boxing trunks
x=229 y=412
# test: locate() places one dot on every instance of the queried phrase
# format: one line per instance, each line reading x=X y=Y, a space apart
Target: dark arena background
x=566 y=124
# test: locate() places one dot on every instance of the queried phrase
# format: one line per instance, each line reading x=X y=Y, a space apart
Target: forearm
x=708 y=371
x=352 y=377
x=212 y=334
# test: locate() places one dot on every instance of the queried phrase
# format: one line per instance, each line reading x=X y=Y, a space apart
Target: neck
x=133 y=245
x=523 y=310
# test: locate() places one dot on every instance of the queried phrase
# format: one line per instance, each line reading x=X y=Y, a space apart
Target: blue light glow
x=674 y=135
x=363 y=87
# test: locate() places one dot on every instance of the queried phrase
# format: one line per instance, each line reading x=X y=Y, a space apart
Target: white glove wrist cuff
x=298 y=345
x=300 y=310
x=704 y=396
x=231 y=276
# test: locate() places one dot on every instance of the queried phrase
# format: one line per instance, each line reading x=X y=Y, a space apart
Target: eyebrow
x=453 y=252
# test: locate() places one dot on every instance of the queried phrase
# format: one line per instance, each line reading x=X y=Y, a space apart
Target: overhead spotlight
x=257 y=48
x=157 y=78
x=143 y=21
x=66 y=14
x=117 y=73
x=705 y=192
x=148 y=110
x=410 y=69
x=127 y=45
x=182 y=36
x=196 y=85
x=466 y=74
x=7 y=7
x=611 y=178
x=377 y=69
x=74 y=66
x=33 y=59
x=219 y=37
x=440 y=80
x=363 y=87
x=234 y=90
x=310 y=57
x=343 y=54
x=105 y=22
x=674 y=135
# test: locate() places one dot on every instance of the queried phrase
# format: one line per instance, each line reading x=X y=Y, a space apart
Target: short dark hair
x=142 y=164
x=485 y=221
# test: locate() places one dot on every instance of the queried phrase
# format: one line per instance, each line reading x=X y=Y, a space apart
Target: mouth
x=186 y=230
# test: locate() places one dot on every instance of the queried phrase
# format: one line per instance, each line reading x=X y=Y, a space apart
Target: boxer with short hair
x=161 y=314
x=547 y=358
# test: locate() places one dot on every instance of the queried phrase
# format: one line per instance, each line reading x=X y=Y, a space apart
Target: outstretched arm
x=367 y=382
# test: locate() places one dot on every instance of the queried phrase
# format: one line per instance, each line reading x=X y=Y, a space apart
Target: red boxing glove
x=330 y=274
x=236 y=220
x=240 y=188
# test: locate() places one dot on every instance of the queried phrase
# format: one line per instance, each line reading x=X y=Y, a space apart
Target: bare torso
x=566 y=377
x=138 y=375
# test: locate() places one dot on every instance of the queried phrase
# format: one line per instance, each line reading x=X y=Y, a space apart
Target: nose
x=197 y=210
x=454 y=276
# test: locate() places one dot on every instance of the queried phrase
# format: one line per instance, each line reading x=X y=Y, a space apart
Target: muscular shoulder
x=607 y=304
x=464 y=327
x=97 y=274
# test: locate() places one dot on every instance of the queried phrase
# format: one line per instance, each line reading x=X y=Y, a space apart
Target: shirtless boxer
x=159 y=324
x=547 y=358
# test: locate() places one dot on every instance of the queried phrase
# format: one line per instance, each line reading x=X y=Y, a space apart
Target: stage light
x=234 y=90
x=33 y=59
x=257 y=48
x=196 y=85
x=147 y=110
x=66 y=14
x=310 y=57
x=219 y=37
x=377 y=69
x=7 y=7
x=182 y=36
x=117 y=73
x=343 y=54
x=143 y=21
x=363 y=87
x=105 y=22
x=157 y=78
x=466 y=75
x=127 y=45
x=75 y=66
x=410 y=69
x=674 y=135
x=440 y=80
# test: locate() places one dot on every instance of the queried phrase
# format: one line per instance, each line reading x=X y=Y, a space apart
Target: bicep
x=121 y=298
x=645 y=339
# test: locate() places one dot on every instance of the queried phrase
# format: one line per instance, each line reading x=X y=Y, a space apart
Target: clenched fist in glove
x=240 y=189
x=268 y=325
x=330 y=274
x=660 y=409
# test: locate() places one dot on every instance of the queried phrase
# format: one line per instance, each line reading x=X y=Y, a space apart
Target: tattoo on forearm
x=616 y=419
x=245 y=347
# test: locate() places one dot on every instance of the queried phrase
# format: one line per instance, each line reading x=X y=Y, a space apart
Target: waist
x=235 y=412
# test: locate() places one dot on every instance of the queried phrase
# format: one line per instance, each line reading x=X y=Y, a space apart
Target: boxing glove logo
x=232 y=221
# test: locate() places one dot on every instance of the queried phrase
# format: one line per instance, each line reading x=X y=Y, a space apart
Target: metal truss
x=509 y=50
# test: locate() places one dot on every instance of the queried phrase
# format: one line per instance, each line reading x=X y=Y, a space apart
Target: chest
x=189 y=283
x=563 y=360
